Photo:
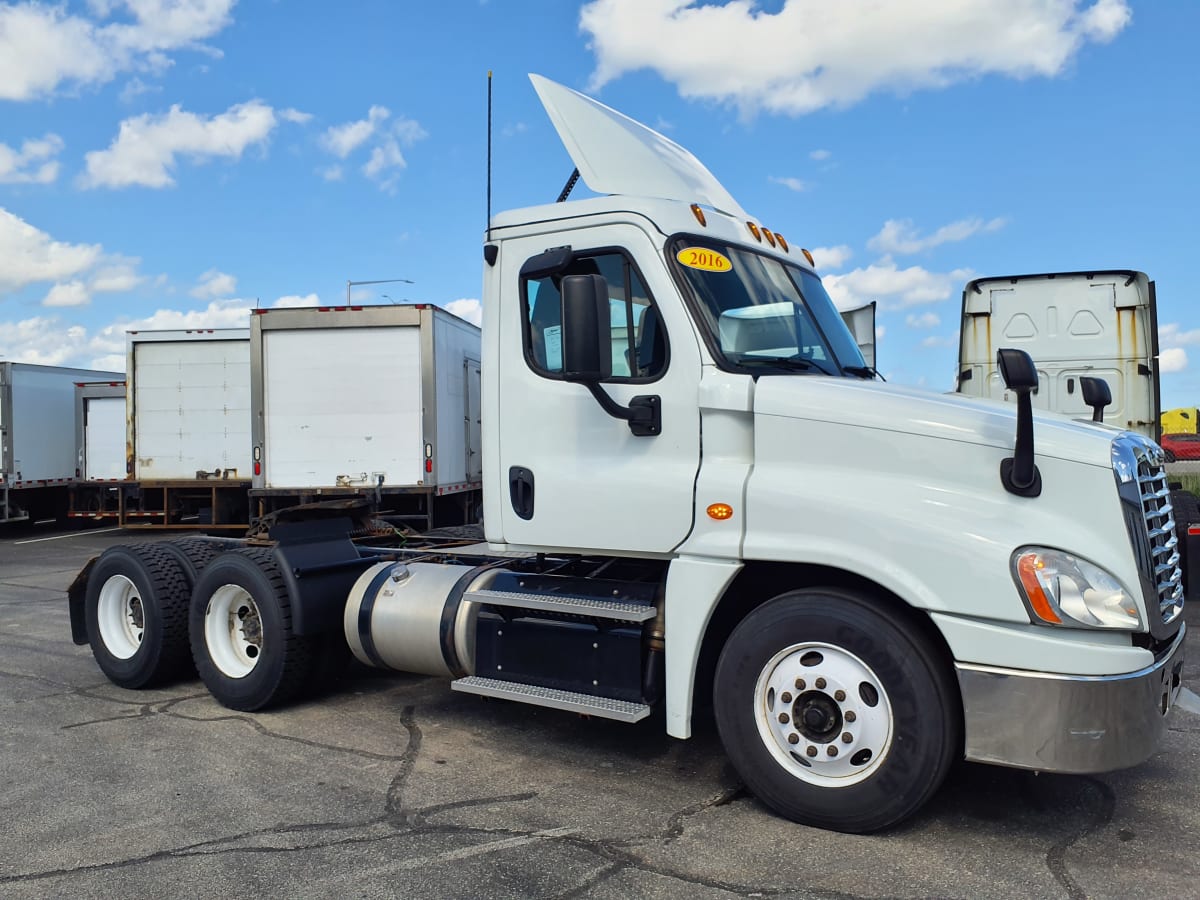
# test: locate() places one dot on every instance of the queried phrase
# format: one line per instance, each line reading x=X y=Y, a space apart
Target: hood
x=617 y=155
x=949 y=417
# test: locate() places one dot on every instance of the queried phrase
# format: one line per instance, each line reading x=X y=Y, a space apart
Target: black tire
x=916 y=700
x=140 y=638
x=193 y=555
x=281 y=665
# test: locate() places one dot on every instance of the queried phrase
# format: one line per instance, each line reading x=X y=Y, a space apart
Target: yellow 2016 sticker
x=703 y=259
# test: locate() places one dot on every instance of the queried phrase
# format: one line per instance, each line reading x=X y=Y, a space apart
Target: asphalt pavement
x=393 y=786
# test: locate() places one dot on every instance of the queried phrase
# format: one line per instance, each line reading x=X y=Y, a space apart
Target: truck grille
x=1154 y=540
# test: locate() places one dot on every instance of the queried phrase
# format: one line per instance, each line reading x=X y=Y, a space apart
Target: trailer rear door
x=104 y=438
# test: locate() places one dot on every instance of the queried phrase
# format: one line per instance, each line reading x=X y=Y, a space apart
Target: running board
x=561 y=603
x=586 y=704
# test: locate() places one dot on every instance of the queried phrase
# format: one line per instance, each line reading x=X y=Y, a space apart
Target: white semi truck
x=37 y=438
x=1076 y=325
x=868 y=582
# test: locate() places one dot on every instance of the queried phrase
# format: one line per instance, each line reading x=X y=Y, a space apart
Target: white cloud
x=1169 y=335
x=43 y=47
x=293 y=301
x=71 y=293
x=831 y=257
x=29 y=256
x=792 y=184
x=469 y=309
x=820 y=155
x=213 y=285
x=295 y=116
x=385 y=136
x=44 y=340
x=822 y=54
x=924 y=320
x=116 y=277
x=1173 y=359
x=33 y=163
x=892 y=287
x=901 y=236
x=342 y=140
x=146 y=148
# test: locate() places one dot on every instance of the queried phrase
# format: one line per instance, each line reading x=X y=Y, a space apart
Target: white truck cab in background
x=695 y=488
x=1101 y=324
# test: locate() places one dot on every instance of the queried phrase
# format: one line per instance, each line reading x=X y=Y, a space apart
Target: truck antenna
x=489 y=158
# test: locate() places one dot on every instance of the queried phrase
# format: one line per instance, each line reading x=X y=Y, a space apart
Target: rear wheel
x=241 y=633
x=136 y=611
x=835 y=713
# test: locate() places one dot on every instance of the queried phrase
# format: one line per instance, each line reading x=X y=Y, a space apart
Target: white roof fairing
x=617 y=155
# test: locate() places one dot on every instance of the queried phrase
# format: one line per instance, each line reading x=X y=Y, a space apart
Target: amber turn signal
x=720 y=511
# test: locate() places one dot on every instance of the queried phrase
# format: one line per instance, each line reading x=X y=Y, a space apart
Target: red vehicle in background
x=1181 y=446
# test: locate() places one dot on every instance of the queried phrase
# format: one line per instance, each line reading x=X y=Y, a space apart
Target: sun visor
x=616 y=155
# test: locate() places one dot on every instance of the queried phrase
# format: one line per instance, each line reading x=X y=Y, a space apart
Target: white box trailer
x=1100 y=324
x=99 y=450
x=188 y=429
x=37 y=437
x=379 y=401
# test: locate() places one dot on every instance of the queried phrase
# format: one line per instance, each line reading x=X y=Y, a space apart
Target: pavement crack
x=676 y=824
x=394 y=804
x=1056 y=857
x=602 y=875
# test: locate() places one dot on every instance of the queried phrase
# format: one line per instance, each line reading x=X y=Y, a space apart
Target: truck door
x=570 y=475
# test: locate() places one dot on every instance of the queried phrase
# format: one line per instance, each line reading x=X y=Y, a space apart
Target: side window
x=639 y=345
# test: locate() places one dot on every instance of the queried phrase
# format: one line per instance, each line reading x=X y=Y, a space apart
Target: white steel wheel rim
x=121 y=616
x=823 y=714
x=233 y=631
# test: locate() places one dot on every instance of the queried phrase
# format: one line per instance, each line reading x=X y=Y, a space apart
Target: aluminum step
x=587 y=704
x=562 y=603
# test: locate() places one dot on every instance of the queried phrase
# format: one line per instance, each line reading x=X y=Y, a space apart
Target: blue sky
x=170 y=163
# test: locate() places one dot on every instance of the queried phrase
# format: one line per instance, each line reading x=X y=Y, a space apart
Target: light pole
x=350 y=284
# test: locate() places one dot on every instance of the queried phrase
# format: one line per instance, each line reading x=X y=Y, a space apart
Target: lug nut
x=820 y=684
x=839 y=696
x=832 y=751
x=847 y=737
x=800 y=684
x=811 y=751
x=851 y=716
x=784 y=718
x=793 y=738
x=785 y=697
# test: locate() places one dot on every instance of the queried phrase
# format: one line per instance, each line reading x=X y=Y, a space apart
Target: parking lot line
x=59 y=537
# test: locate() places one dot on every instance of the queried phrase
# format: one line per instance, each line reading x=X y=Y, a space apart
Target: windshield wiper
x=864 y=372
x=798 y=363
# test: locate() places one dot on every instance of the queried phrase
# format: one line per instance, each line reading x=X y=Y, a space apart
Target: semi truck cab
x=696 y=489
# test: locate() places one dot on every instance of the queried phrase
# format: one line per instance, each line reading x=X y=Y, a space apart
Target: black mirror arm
x=644 y=412
x=1019 y=473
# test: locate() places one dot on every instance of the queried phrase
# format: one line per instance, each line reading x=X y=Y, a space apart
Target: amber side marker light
x=754 y=231
x=699 y=214
x=782 y=242
x=720 y=511
x=1028 y=567
x=808 y=256
x=769 y=236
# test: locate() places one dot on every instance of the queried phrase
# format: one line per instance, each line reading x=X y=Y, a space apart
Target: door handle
x=520 y=491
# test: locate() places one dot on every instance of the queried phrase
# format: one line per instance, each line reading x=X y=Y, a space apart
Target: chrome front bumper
x=1069 y=723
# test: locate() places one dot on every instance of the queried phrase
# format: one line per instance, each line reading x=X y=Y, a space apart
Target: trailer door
x=104 y=438
x=474 y=420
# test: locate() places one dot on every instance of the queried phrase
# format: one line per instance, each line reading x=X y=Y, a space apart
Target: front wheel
x=835 y=713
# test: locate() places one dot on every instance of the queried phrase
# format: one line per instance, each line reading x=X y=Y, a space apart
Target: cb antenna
x=489 y=158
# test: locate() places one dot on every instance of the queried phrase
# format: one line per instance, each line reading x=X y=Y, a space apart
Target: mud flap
x=75 y=597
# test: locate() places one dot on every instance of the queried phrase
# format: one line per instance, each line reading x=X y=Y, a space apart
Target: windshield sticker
x=703 y=259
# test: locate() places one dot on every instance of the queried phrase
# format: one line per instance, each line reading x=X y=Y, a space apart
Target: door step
x=561 y=603
x=587 y=704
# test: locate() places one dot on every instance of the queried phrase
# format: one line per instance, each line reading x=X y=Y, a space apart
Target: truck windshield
x=762 y=313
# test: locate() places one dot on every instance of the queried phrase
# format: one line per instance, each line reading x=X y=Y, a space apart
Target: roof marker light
x=769 y=236
x=782 y=242
x=754 y=231
x=699 y=214
x=808 y=256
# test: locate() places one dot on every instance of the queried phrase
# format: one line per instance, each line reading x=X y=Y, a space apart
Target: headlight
x=1061 y=589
